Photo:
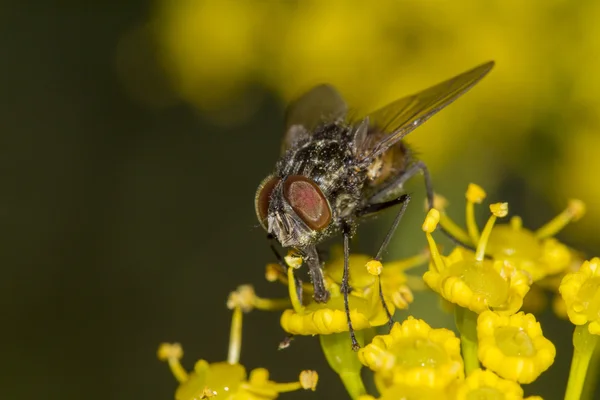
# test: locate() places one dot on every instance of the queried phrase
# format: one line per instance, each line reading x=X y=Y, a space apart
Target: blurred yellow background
x=535 y=115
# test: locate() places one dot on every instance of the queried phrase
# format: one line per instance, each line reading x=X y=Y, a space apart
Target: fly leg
x=345 y=288
x=411 y=171
x=311 y=258
x=372 y=208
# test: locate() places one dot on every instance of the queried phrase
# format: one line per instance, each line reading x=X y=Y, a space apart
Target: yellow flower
x=535 y=252
x=413 y=354
x=581 y=293
x=227 y=380
x=514 y=346
x=485 y=385
x=327 y=318
x=364 y=271
x=366 y=308
x=324 y=319
x=471 y=280
x=405 y=392
x=222 y=380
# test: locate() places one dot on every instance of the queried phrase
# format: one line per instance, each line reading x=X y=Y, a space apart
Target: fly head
x=293 y=209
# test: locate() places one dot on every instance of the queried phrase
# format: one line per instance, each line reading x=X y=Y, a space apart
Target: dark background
x=123 y=225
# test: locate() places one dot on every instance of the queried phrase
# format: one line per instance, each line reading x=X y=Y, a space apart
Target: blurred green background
x=134 y=135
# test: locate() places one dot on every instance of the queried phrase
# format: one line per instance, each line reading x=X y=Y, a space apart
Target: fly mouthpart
x=271 y=225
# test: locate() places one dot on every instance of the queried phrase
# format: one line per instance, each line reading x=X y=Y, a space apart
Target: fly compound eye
x=263 y=198
x=307 y=201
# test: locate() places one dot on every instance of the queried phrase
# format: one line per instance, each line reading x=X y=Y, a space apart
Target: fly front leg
x=345 y=288
x=311 y=258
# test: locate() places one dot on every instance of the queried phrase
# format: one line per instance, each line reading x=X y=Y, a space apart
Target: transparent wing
x=401 y=117
x=322 y=103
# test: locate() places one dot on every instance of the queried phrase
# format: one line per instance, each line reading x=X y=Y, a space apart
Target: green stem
x=353 y=384
x=343 y=360
x=466 y=322
x=592 y=376
x=584 y=343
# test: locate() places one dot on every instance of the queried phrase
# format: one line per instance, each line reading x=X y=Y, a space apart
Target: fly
x=336 y=169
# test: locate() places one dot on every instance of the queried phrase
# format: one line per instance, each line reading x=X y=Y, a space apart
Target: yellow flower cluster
x=414 y=354
x=486 y=385
x=228 y=379
x=511 y=247
x=469 y=279
x=499 y=348
x=366 y=307
x=417 y=362
x=492 y=280
x=534 y=258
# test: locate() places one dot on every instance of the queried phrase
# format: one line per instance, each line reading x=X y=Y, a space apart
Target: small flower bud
x=499 y=209
x=475 y=193
x=431 y=221
x=374 y=267
x=309 y=379
x=168 y=351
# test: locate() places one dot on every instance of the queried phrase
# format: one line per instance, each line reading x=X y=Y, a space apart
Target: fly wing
x=401 y=117
x=321 y=104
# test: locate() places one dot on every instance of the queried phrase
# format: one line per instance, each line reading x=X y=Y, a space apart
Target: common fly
x=337 y=168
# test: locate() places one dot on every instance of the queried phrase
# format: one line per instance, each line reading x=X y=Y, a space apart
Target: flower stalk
x=584 y=344
x=344 y=361
x=466 y=322
x=592 y=376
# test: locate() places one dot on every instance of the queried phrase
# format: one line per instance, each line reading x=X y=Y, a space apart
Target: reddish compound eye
x=307 y=201
x=263 y=197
